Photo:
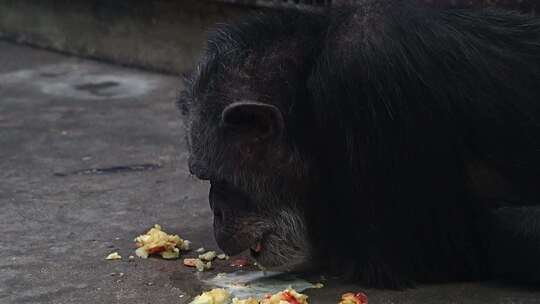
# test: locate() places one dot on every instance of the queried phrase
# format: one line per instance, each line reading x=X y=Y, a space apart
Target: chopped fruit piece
x=186 y=245
x=171 y=254
x=209 y=256
x=245 y=301
x=114 y=256
x=288 y=296
x=197 y=263
x=156 y=241
x=190 y=262
x=202 y=266
x=240 y=262
x=351 y=298
x=223 y=256
x=214 y=296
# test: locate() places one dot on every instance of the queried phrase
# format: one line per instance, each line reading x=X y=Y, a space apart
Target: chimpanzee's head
x=238 y=107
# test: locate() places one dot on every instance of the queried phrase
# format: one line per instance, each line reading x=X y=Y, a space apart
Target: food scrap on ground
x=245 y=301
x=354 y=298
x=288 y=296
x=214 y=296
x=223 y=256
x=209 y=256
x=221 y=296
x=114 y=256
x=202 y=266
x=197 y=263
x=240 y=262
x=190 y=262
x=200 y=250
x=244 y=284
x=156 y=241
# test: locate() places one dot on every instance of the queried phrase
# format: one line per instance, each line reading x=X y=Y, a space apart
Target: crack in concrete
x=111 y=170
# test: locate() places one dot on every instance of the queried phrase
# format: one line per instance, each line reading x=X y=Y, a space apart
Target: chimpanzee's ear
x=255 y=120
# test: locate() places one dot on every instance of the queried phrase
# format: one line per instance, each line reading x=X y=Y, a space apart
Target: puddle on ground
x=111 y=170
x=83 y=80
x=244 y=284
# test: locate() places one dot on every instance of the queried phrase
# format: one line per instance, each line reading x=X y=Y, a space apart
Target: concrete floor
x=61 y=117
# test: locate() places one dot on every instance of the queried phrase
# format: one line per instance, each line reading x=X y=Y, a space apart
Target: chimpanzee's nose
x=198 y=168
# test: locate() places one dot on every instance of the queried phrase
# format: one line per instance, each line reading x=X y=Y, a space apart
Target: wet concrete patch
x=102 y=88
x=111 y=170
x=81 y=80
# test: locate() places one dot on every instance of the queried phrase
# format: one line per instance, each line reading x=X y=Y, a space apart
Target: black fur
x=413 y=126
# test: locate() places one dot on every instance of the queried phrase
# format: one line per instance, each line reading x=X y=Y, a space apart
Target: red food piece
x=155 y=250
x=359 y=298
x=190 y=262
x=287 y=296
x=240 y=262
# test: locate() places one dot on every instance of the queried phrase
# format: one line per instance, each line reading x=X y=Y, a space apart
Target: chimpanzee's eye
x=183 y=103
x=184 y=109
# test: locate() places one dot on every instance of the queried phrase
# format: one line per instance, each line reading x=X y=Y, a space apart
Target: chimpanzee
x=386 y=142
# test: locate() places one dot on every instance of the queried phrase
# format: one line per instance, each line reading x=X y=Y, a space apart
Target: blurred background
x=162 y=35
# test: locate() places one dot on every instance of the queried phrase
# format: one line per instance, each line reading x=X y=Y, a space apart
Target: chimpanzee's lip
x=258 y=246
x=256 y=249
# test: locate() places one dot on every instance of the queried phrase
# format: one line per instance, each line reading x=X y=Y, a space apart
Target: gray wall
x=157 y=34
x=163 y=35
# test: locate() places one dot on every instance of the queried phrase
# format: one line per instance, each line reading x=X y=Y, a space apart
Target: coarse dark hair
x=395 y=103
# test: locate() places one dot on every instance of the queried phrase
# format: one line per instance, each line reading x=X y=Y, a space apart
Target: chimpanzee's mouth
x=256 y=249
